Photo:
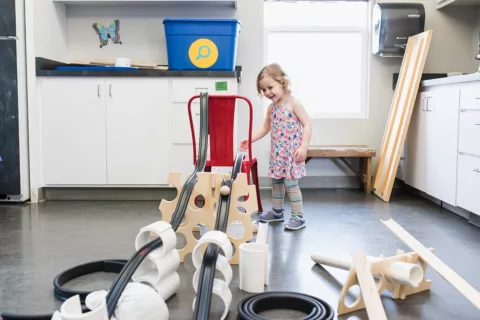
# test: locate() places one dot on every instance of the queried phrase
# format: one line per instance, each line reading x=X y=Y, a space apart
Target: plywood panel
x=400 y=113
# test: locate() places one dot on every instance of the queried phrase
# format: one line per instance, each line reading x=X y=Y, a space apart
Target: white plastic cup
x=253 y=260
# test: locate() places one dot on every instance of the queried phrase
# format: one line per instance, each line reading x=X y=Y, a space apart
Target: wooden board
x=400 y=114
x=433 y=261
x=340 y=151
x=133 y=64
x=368 y=288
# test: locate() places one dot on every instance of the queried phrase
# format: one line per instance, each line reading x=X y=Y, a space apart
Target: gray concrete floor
x=39 y=241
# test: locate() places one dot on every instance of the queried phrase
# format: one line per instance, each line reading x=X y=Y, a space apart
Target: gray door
x=9 y=139
x=7 y=18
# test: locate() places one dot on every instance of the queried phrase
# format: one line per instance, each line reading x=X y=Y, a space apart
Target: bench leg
x=368 y=175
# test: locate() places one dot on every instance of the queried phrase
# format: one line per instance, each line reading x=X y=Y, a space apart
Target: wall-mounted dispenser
x=392 y=24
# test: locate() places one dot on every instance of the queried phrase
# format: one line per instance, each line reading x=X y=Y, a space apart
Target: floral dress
x=286 y=137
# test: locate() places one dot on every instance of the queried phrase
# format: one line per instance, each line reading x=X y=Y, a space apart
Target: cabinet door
x=137 y=131
x=469 y=183
x=73 y=131
x=442 y=143
x=415 y=154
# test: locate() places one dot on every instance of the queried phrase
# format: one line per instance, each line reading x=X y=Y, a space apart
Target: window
x=323 y=47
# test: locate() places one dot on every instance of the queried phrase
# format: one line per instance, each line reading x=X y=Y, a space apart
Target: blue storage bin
x=201 y=44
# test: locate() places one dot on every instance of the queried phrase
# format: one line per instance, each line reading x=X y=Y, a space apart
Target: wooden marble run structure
x=208 y=187
x=402 y=274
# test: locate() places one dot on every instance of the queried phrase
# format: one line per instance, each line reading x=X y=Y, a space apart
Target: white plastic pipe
x=262 y=233
x=253 y=267
x=71 y=309
x=154 y=271
x=167 y=286
x=402 y=272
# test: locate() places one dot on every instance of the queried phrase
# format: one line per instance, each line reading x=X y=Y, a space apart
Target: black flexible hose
x=130 y=266
x=208 y=268
x=315 y=308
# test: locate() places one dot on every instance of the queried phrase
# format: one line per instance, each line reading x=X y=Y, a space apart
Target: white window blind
x=323 y=47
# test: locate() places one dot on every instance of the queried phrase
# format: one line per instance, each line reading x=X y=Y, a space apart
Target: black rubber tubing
x=315 y=308
x=208 y=268
x=129 y=267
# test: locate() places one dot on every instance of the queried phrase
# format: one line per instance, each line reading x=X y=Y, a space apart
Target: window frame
x=365 y=60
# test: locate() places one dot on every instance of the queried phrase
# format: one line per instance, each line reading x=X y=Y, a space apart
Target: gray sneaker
x=271 y=216
x=295 y=223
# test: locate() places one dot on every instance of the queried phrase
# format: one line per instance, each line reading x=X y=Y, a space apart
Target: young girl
x=290 y=131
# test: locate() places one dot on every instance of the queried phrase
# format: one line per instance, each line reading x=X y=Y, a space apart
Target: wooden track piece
x=208 y=186
x=400 y=113
x=370 y=294
x=379 y=266
x=240 y=188
x=438 y=265
x=193 y=214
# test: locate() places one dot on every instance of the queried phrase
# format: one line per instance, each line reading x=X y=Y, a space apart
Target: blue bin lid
x=200 y=20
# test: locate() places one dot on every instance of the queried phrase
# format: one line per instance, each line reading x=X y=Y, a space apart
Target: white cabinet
x=432 y=144
x=469 y=183
x=137 y=131
x=416 y=150
x=469 y=132
x=443 y=144
x=73 y=131
x=98 y=131
x=120 y=131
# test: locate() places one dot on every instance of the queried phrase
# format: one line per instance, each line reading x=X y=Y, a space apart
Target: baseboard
x=472 y=218
x=133 y=194
x=157 y=194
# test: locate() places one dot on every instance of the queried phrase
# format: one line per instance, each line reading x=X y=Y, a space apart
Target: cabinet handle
x=428 y=110
x=476 y=170
x=197 y=88
x=110 y=90
x=477 y=124
x=98 y=91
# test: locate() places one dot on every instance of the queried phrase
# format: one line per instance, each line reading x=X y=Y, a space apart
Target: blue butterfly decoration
x=112 y=32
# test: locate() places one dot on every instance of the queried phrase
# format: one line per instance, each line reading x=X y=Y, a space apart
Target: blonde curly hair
x=276 y=73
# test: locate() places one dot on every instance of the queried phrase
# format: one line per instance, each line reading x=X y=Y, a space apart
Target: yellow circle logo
x=203 y=53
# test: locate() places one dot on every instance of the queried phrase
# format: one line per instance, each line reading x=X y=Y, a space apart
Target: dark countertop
x=46 y=68
x=425 y=77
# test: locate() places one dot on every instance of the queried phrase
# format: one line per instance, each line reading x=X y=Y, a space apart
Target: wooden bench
x=364 y=153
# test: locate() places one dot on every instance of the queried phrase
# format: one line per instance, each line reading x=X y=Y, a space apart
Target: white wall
x=45 y=25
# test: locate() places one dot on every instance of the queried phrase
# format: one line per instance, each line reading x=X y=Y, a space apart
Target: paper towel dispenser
x=392 y=24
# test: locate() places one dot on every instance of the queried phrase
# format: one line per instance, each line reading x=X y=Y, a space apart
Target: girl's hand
x=301 y=154
x=243 y=145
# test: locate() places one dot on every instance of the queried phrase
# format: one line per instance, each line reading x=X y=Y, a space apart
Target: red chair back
x=221 y=117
